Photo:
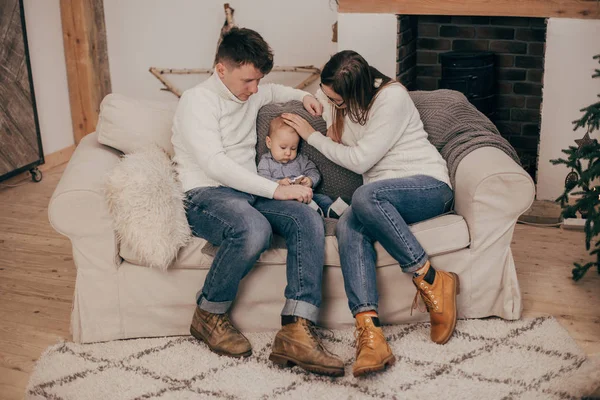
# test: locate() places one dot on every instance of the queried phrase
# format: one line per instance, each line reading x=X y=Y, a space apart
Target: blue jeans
x=323 y=201
x=242 y=226
x=381 y=211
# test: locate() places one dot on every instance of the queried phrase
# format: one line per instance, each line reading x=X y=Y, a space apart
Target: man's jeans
x=381 y=211
x=242 y=225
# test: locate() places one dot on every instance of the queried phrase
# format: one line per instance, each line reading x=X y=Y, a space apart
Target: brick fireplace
x=518 y=45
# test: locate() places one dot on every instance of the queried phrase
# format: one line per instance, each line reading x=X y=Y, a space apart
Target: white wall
x=184 y=34
x=373 y=36
x=44 y=33
x=568 y=87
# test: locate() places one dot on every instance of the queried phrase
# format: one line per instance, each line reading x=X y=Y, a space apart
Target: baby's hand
x=306 y=181
x=285 y=182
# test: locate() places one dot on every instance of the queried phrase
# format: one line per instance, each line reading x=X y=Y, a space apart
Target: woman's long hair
x=350 y=76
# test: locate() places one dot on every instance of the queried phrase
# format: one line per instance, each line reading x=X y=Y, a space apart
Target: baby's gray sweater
x=301 y=165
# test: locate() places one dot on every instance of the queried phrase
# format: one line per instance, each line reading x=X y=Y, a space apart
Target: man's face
x=283 y=145
x=241 y=81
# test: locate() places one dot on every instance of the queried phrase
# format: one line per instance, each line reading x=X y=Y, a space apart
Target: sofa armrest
x=491 y=192
x=78 y=208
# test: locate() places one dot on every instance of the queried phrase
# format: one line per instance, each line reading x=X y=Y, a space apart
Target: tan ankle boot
x=373 y=352
x=440 y=300
x=298 y=344
x=219 y=334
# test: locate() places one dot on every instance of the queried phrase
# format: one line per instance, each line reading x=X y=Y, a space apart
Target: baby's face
x=283 y=144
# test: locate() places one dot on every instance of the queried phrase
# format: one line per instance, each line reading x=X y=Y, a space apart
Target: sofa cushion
x=336 y=181
x=443 y=234
x=127 y=124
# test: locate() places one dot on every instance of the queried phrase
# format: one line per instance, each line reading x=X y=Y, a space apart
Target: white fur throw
x=145 y=200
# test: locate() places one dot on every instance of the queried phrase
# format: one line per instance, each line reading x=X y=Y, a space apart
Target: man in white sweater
x=230 y=205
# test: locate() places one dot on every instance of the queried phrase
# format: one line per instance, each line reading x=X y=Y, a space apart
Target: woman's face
x=333 y=97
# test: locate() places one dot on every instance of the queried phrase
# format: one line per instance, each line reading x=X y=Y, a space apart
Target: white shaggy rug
x=486 y=359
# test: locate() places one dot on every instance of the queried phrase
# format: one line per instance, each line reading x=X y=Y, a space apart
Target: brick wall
x=406 y=69
x=519 y=45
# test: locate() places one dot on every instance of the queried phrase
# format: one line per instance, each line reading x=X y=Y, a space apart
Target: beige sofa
x=116 y=297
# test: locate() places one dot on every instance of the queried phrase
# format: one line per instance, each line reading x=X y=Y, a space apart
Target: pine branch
x=580 y=270
x=590 y=119
x=585 y=161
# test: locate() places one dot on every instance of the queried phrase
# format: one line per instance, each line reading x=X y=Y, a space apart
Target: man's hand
x=312 y=105
x=293 y=192
x=285 y=182
x=306 y=181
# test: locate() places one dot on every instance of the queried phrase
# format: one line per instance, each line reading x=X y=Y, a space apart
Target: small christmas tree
x=584 y=161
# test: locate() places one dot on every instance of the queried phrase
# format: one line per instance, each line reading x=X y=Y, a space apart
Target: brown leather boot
x=373 y=352
x=440 y=301
x=297 y=343
x=219 y=334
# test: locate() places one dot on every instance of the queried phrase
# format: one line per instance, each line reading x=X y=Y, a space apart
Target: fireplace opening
x=471 y=73
x=512 y=47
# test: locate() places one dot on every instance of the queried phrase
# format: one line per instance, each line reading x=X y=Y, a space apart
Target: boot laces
x=428 y=298
x=224 y=322
x=364 y=337
x=317 y=336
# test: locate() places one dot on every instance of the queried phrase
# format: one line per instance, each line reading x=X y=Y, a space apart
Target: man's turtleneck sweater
x=214 y=136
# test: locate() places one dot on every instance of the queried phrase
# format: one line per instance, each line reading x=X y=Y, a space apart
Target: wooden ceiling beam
x=588 y=9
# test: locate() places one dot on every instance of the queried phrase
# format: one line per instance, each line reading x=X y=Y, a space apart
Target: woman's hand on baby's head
x=301 y=125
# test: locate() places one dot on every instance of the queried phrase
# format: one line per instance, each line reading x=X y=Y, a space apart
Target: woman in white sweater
x=374 y=129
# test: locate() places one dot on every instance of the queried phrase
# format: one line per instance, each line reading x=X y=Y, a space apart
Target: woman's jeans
x=381 y=211
x=242 y=226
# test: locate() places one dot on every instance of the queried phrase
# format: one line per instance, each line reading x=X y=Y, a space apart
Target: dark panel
x=20 y=145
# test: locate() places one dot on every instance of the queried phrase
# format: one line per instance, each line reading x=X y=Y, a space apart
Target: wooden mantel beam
x=588 y=9
x=86 y=55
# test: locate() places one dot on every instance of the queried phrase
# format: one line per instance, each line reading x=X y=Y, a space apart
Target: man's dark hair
x=242 y=46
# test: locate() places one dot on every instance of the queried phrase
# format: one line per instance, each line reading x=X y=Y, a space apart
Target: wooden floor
x=37 y=277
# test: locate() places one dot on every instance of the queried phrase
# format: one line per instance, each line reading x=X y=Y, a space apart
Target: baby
x=285 y=166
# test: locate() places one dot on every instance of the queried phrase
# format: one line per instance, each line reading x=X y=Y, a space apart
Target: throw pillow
x=145 y=200
x=336 y=181
x=128 y=124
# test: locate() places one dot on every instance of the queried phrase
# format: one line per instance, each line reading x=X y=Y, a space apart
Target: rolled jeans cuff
x=301 y=309
x=416 y=265
x=363 y=308
x=220 y=307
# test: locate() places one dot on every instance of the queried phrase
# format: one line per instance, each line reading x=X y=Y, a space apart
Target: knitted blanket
x=456 y=128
